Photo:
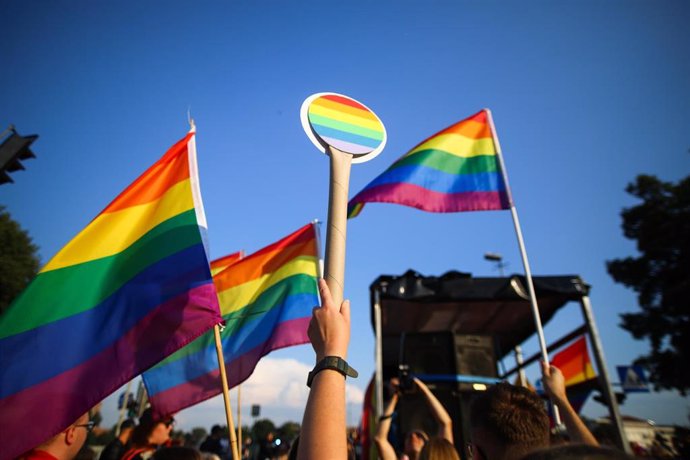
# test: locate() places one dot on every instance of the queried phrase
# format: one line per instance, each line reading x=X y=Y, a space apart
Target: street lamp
x=498 y=258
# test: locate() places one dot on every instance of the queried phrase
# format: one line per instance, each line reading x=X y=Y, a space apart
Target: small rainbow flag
x=222 y=263
x=574 y=363
x=345 y=124
x=454 y=170
x=266 y=301
x=128 y=290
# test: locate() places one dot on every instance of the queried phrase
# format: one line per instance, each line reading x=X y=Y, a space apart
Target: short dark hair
x=512 y=416
x=577 y=452
x=216 y=429
x=127 y=423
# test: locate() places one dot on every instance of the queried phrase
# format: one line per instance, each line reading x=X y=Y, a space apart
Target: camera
x=406 y=384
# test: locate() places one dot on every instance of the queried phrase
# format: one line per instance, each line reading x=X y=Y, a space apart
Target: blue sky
x=585 y=96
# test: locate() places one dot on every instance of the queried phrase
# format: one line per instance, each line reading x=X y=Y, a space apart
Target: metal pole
x=523 y=253
x=604 y=379
x=378 y=380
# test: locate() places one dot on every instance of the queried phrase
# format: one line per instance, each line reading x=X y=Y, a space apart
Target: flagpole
x=226 y=392
x=315 y=224
x=523 y=253
x=239 y=420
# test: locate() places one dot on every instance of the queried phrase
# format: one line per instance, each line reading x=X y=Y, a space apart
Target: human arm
x=445 y=423
x=554 y=384
x=323 y=426
x=384 y=447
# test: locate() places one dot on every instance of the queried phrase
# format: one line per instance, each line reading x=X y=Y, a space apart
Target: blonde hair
x=438 y=449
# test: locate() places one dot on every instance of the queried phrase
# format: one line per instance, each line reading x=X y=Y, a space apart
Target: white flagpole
x=523 y=253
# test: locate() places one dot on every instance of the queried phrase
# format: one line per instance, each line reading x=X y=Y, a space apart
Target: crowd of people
x=507 y=422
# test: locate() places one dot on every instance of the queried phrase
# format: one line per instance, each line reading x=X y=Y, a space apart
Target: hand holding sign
x=348 y=132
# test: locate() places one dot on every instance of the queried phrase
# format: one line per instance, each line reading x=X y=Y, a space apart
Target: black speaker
x=448 y=354
x=439 y=354
x=475 y=355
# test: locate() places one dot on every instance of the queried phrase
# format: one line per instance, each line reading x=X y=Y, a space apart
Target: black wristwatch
x=332 y=362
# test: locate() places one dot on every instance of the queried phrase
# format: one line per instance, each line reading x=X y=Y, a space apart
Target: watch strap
x=335 y=363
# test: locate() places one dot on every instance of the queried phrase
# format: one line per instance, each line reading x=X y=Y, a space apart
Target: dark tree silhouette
x=18 y=259
x=661 y=277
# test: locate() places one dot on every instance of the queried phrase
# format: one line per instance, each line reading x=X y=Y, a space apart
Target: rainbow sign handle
x=338 y=121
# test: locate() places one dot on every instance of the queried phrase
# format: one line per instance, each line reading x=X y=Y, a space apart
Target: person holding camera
x=415 y=439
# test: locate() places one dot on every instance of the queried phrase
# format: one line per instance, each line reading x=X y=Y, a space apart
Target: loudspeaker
x=442 y=354
x=475 y=355
x=449 y=354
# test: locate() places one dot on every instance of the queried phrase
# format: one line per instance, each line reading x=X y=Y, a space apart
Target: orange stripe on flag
x=574 y=362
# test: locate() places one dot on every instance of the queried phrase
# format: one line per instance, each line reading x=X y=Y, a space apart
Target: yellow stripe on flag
x=111 y=233
x=457 y=145
x=237 y=297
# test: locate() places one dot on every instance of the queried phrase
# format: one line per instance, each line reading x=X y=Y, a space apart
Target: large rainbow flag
x=266 y=301
x=454 y=170
x=128 y=290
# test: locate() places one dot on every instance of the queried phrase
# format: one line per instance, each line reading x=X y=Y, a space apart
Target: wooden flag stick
x=239 y=419
x=226 y=393
x=336 y=233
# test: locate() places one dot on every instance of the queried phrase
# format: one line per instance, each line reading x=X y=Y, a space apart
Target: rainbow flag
x=574 y=363
x=454 y=170
x=266 y=301
x=222 y=263
x=128 y=290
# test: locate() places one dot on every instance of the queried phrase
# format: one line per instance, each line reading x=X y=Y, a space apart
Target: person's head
x=216 y=432
x=152 y=431
x=414 y=442
x=438 y=449
x=177 y=453
x=507 y=422
x=577 y=452
x=66 y=444
x=126 y=428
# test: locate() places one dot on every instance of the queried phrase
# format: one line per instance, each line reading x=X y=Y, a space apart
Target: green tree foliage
x=197 y=435
x=261 y=428
x=660 y=276
x=289 y=430
x=18 y=259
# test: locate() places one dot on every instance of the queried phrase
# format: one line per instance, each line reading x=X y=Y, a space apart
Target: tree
x=18 y=259
x=660 y=276
x=261 y=428
x=289 y=430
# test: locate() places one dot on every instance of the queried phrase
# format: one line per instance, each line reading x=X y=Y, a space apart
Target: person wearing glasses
x=148 y=436
x=64 y=445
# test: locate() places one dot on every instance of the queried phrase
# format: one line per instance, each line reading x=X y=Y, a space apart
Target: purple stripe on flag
x=427 y=200
x=347 y=147
x=56 y=401
x=286 y=334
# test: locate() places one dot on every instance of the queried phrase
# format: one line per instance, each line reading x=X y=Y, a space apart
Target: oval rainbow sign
x=335 y=120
